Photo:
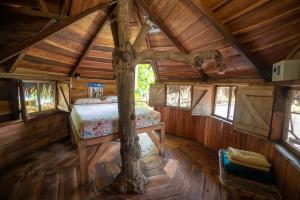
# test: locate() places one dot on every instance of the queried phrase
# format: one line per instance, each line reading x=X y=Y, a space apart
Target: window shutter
x=63 y=95
x=202 y=100
x=253 y=110
x=157 y=96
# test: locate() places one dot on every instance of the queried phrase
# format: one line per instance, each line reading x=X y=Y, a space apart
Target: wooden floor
x=187 y=171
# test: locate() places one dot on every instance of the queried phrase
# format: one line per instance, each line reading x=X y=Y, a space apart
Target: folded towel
x=245 y=172
x=248 y=165
x=248 y=158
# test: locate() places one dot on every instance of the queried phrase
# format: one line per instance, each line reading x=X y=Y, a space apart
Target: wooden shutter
x=157 y=96
x=253 y=110
x=63 y=97
x=202 y=100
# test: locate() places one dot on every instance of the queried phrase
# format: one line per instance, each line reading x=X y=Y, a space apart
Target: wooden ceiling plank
x=244 y=11
x=156 y=19
x=15 y=49
x=41 y=4
x=275 y=43
x=202 y=11
x=92 y=40
x=268 y=21
x=219 y=5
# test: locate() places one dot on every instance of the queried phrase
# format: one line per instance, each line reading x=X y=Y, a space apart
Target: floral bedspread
x=98 y=120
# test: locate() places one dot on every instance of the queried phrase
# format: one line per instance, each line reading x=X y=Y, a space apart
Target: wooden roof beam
x=15 y=49
x=153 y=63
x=24 y=10
x=200 y=9
x=92 y=40
x=65 y=7
x=18 y=59
x=168 y=32
x=42 y=5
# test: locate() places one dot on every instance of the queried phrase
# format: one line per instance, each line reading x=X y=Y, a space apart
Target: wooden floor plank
x=187 y=171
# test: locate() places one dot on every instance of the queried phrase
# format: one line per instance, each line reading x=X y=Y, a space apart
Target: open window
x=292 y=124
x=39 y=96
x=179 y=96
x=225 y=102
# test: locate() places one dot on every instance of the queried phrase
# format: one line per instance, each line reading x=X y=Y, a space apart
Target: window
x=225 y=102
x=179 y=96
x=292 y=135
x=39 y=96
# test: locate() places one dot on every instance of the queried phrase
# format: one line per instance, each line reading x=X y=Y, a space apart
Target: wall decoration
x=95 y=90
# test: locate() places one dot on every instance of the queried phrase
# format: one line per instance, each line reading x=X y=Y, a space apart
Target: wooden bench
x=235 y=187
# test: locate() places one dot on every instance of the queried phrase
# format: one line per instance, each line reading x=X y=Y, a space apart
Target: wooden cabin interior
x=149 y=99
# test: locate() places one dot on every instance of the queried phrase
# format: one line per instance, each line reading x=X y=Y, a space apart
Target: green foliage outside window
x=145 y=77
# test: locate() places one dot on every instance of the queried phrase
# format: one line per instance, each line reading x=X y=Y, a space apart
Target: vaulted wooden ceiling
x=63 y=37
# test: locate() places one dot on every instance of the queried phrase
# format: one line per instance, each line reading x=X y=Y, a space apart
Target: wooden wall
x=19 y=138
x=79 y=88
x=216 y=134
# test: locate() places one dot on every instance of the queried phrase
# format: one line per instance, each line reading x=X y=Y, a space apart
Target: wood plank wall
x=216 y=134
x=18 y=139
x=79 y=88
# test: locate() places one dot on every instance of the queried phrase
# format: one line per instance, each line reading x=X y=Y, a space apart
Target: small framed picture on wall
x=95 y=90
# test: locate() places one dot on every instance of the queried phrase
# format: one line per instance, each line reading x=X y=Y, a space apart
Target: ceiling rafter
x=202 y=11
x=143 y=6
x=293 y=51
x=24 y=10
x=18 y=59
x=19 y=47
x=92 y=40
x=42 y=5
x=153 y=63
x=65 y=7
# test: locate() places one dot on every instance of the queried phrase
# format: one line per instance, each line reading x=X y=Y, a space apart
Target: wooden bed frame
x=82 y=144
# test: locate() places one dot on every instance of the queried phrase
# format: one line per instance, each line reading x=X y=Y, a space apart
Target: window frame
x=286 y=122
x=40 y=112
x=229 y=102
x=178 y=106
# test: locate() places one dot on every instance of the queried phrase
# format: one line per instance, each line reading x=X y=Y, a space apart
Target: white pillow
x=109 y=99
x=87 y=101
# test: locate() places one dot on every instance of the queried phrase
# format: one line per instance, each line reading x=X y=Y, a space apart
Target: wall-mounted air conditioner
x=286 y=70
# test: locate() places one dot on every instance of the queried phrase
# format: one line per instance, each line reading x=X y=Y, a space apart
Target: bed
x=95 y=121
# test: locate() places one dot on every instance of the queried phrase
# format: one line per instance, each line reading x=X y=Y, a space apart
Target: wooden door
x=253 y=110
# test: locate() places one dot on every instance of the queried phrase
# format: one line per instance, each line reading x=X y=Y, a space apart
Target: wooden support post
x=153 y=63
x=81 y=146
x=141 y=36
x=162 y=136
x=130 y=179
x=195 y=59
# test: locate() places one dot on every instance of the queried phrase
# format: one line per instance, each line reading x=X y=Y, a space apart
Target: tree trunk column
x=130 y=179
